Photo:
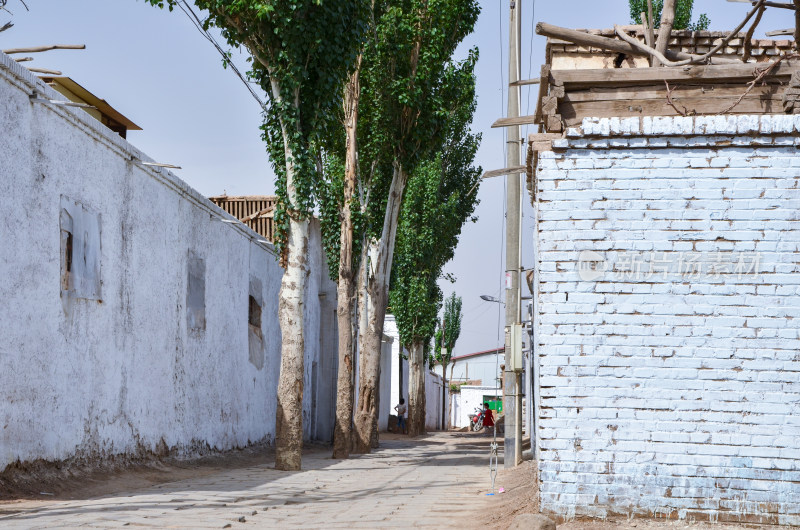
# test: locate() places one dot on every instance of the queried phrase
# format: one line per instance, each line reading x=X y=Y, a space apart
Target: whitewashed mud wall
x=668 y=319
x=391 y=388
x=145 y=345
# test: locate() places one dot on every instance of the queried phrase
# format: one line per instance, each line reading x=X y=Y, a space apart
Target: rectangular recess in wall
x=255 y=333
x=195 y=293
x=80 y=251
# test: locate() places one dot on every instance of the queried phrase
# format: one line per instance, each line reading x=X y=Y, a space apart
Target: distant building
x=480 y=368
x=256 y=211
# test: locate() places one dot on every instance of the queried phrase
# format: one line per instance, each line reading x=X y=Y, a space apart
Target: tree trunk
x=416 y=389
x=346 y=289
x=665 y=29
x=376 y=294
x=444 y=396
x=289 y=417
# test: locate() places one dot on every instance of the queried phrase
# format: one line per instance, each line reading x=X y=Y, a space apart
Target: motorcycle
x=476 y=421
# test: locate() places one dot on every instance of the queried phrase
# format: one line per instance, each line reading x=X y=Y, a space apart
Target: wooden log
x=679 y=91
x=665 y=29
x=525 y=82
x=36 y=49
x=778 y=32
x=257 y=214
x=505 y=171
x=587 y=39
x=511 y=122
x=553 y=122
x=574 y=112
x=549 y=105
x=739 y=72
x=543 y=137
x=544 y=86
x=779 y=5
x=23 y=59
x=796 y=24
x=44 y=71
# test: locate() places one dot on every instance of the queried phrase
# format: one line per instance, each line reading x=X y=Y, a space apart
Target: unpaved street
x=436 y=481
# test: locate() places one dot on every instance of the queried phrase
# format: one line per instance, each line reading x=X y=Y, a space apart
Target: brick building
x=667 y=318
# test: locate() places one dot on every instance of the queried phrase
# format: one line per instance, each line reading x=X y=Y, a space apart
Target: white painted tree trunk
x=376 y=290
x=416 y=389
x=289 y=418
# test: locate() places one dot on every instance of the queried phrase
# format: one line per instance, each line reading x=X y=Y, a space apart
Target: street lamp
x=491 y=299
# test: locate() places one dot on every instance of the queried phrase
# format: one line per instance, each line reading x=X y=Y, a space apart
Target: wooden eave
x=75 y=92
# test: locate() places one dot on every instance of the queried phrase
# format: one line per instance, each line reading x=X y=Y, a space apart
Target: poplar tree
x=301 y=52
x=446 y=338
x=408 y=87
x=441 y=196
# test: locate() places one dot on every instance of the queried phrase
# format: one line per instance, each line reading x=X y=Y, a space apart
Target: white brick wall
x=671 y=394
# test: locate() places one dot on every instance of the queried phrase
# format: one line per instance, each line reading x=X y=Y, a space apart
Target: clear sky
x=159 y=71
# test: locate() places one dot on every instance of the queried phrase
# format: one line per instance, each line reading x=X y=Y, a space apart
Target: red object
x=488 y=418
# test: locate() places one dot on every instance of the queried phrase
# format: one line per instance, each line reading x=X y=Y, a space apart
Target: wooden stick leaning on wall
x=797 y=24
x=748 y=43
x=664 y=30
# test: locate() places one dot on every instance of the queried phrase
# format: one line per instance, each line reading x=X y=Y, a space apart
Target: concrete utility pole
x=512 y=400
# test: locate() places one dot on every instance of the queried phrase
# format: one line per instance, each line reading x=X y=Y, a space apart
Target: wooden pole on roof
x=665 y=29
x=36 y=49
x=796 y=24
x=748 y=42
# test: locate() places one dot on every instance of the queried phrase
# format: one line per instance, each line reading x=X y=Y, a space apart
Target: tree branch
x=665 y=29
x=695 y=59
x=760 y=74
x=749 y=35
x=671 y=103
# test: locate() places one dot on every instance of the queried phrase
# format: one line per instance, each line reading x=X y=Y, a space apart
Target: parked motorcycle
x=476 y=421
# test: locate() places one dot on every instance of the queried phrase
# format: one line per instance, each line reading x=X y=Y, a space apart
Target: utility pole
x=512 y=400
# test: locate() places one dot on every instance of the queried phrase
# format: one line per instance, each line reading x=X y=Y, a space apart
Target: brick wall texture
x=668 y=319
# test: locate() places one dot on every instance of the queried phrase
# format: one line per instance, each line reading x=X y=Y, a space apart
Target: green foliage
x=409 y=87
x=450 y=329
x=683 y=14
x=302 y=51
x=440 y=197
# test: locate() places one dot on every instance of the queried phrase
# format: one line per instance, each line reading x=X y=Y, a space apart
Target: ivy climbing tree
x=441 y=196
x=408 y=86
x=683 y=14
x=341 y=221
x=301 y=52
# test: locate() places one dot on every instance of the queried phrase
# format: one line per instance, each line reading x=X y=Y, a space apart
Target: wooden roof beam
x=644 y=76
x=511 y=122
x=505 y=171
x=37 y=49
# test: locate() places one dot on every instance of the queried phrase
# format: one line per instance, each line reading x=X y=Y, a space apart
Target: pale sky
x=159 y=71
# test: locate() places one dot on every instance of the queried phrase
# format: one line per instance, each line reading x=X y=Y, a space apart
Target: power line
x=187 y=9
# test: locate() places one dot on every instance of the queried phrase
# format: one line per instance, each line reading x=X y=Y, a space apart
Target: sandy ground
x=521 y=496
x=82 y=480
